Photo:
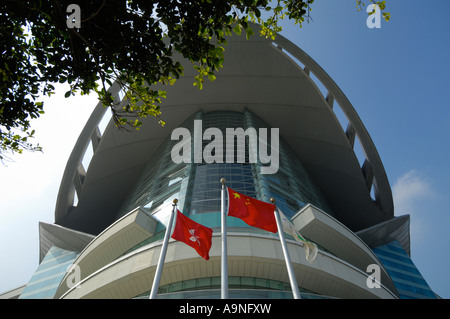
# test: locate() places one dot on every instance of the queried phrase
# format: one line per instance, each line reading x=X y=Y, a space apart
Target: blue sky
x=396 y=77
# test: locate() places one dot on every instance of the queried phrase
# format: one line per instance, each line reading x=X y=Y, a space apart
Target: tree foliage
x=132 y=42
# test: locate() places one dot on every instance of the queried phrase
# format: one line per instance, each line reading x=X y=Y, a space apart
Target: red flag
x=193 y=234
x=254 y=212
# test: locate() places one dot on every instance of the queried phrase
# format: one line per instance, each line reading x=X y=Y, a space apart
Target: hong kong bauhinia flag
x=254 y=212
x=193 y=234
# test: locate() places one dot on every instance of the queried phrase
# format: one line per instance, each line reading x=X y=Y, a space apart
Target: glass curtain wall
x=197 y=185
x=48 y=275
x=406 y=277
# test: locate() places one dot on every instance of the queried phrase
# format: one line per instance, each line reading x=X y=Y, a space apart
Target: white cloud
x=412 y=191
x=409 y=190
x=29 y=185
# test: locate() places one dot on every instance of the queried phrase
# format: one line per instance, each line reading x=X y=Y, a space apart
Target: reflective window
x=45 y=281
x=197 y=185
x=406 y=277
x=245 y=285
x=206 y=195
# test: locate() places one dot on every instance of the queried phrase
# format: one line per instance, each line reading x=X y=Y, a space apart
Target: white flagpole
x=287 y=258
x=224 y=265
x=162 y=255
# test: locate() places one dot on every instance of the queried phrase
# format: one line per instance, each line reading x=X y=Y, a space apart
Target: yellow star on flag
x=252 y=211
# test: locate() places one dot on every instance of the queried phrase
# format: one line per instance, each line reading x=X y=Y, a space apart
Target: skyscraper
x=111 y=214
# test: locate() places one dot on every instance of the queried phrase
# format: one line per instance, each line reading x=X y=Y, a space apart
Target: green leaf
x=248 y=33
x=237 y=29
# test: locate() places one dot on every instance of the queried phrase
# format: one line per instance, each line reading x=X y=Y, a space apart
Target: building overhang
x=62 y=237
x=385 y=232
x=326 y=231
x=259 y=76
x=249 y=255
x=122 y=235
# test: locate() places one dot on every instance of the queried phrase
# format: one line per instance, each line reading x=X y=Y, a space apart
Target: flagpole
x=224 y=264
x=287 y=258
x=162 y=255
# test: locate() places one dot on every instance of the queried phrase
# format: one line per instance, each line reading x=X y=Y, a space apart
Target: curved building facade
x=112 y=211
x=195 y=185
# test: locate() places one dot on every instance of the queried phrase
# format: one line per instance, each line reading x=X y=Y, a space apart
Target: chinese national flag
x=193 y=234
x=254 y=212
